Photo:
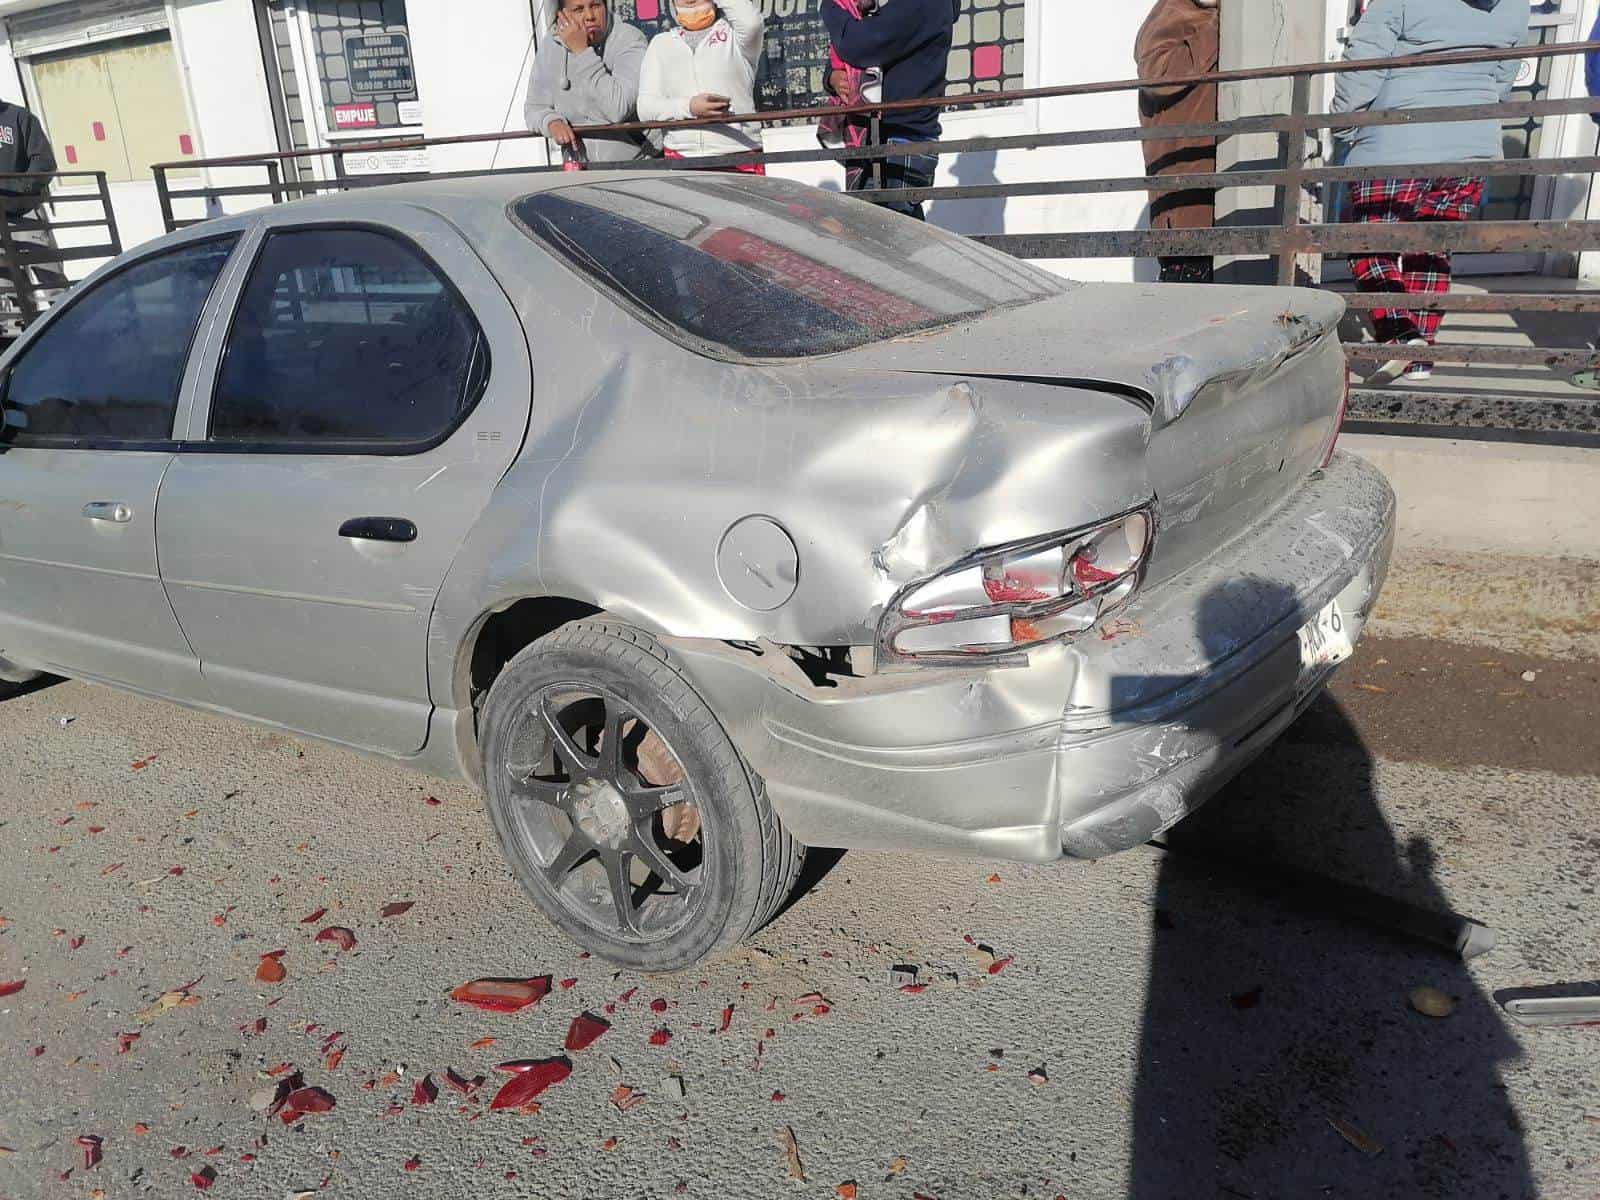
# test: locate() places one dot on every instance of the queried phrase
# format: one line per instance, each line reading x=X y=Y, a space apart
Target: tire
x=622 y=805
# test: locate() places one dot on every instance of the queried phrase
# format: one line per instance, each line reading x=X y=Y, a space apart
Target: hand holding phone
x=709 y=104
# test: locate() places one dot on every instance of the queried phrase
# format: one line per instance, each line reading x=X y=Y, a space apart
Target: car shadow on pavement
x=1279 y=1055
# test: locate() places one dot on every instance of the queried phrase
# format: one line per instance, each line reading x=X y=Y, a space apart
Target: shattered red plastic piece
x=778 y=1097
x=658 y=1005
x=13 y=987
x=174 y=870
x=727 y=1019
x=327 y=1042
x=344 y=938
x=661 y=1037
x=302 y=1101
x=90 y=1145
x=204 y=1178
x=331 y=1063
x=178 y=1152
x=125 y=1042
x=568 y=983
x=411 y=1164
x=425 y=1092
x=458 y=1083
x=913 y=989
x=528 y=1083
x=432 y=801
x=502 y=995
x=398 y=909
x=585 y=1030
x=482 y=1043
x=314 y=917
x=270 y=970
x=74 y=943
x=627 y=995
x=37 y=1051
x=256 y=1027
x=1000 y=964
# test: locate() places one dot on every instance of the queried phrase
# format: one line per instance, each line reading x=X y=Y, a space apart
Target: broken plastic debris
x=302 y=1101
x=992 y=879
x=1038 y=1077
x=502 y=995
x=1000 y=964
x=482 y=1043
x=125 y=1042
x=791 y=1152
x=425 y=1091
x=204 y=1178
x=585 y=1030
x=727 y=1019
x=90 y=1145
x=1355 y=1137
x=314 y=917
x=528 y=1083
x=397 y=909
x=459 y=1083
x=1431 y=1002
x=658 y=1005
x=412 y=1163
x=270 y=970
x=778 y=1097
x=661 y=1037
x=13 y=987
x=568 y=983
x=624 y=1097
x=846 y=1190
x=344 y=938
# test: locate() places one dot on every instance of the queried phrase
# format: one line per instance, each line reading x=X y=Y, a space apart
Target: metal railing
x=31 y=258
x=1566 y=417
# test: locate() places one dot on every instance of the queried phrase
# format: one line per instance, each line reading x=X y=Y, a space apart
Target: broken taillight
x=999 y=602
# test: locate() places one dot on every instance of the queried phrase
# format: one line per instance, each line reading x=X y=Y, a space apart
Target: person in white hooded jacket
x=706 y=67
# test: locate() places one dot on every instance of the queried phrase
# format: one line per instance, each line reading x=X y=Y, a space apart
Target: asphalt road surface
x=1159 y=1025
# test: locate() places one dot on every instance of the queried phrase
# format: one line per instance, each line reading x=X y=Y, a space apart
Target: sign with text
x=361 y=115
x=380 y=64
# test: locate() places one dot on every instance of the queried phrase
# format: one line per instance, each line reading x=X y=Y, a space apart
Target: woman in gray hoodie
x=1396 y=29
x=587 y=73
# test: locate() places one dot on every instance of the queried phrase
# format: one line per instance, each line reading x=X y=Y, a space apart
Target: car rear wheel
x=622 y=805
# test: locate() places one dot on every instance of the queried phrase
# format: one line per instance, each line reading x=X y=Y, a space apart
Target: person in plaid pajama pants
x=1421 y=274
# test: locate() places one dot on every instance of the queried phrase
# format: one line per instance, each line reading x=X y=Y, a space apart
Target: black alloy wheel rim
x=623 y=854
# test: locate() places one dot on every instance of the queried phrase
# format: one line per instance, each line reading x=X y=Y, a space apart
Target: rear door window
x=741 y=267
x=109 y=368
x=347 y=337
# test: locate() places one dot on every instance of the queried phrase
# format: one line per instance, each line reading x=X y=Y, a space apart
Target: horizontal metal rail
x=1286 y=238
x=29 y=253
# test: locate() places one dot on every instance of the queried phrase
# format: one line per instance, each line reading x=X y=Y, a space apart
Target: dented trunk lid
x=1243 y=387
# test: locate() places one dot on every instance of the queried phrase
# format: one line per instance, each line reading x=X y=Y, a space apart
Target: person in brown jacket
x=1180 y=38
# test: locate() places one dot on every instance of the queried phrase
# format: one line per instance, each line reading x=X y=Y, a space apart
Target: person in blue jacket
x=1401 y=29
x=909 y=41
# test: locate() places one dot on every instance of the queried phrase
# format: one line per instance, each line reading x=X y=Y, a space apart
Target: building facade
x=122 y=84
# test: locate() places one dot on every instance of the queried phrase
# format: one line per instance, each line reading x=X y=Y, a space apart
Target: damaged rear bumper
x=1094 y=747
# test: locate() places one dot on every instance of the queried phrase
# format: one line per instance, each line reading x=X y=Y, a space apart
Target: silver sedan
x=699 y=518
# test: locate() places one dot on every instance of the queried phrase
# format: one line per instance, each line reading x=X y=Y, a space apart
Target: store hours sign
x=380 y=64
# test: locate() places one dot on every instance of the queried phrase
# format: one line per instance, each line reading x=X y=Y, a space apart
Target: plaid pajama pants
x=1413 y=274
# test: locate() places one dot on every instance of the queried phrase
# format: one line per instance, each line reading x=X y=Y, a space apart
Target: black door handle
x=379 y=529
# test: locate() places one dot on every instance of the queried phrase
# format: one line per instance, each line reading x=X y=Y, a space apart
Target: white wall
x=472 y=77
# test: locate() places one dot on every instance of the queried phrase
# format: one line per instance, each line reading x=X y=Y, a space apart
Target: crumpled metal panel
x=641 y=454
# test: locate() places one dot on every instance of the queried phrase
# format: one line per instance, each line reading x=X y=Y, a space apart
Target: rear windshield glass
x=765 y=268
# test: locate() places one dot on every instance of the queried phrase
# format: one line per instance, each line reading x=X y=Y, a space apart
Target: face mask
x=696 y=19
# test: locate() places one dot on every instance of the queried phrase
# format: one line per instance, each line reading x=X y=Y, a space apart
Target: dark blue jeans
x=899 y=171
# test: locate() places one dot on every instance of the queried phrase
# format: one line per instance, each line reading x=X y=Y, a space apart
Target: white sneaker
x=1395 y=368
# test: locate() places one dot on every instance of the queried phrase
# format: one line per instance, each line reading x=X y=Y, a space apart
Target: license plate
x=1324 y=644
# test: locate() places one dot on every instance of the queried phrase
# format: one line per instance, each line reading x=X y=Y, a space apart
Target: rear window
x=765 y=268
